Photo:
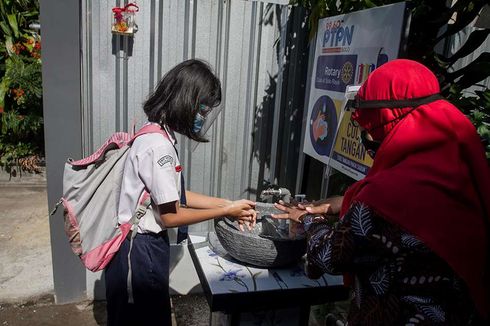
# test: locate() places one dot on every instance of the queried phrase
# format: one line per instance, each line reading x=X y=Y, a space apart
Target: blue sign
x=323 y=125
x=335 y=72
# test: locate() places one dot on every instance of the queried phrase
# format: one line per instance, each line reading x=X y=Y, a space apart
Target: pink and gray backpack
x=91 y=189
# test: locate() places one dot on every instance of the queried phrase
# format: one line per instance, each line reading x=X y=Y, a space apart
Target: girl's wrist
x=225 y=210
x=225 y=202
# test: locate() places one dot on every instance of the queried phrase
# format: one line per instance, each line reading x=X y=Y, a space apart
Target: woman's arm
x=330 y=206
x=345 y=245
x=331 y=246
x=334 y=244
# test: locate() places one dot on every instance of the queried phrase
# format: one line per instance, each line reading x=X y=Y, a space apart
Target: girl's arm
x=172 y=215
x=196 y=200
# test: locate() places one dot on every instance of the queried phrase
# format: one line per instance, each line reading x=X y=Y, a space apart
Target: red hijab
x=430 y=175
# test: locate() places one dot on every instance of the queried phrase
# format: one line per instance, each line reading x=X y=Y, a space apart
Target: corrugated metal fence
x=240 y=39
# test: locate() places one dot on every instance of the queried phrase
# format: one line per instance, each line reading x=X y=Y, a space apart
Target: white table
x=246 y=295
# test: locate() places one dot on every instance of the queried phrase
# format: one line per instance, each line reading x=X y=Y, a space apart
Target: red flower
x=18 y=93
x=15 y=48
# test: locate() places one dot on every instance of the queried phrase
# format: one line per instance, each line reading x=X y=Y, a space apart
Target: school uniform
x=152 y=165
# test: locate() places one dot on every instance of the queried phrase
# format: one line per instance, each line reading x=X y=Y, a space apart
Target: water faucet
x=283 y=193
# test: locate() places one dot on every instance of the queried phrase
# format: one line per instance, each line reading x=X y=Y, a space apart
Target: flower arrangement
x=124 y=19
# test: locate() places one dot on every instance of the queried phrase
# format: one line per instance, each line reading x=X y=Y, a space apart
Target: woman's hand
x=330 y=206
x=294 y=213
x=244 y=211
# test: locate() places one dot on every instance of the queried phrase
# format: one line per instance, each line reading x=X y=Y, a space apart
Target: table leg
x=304 y=315
x=235 y=319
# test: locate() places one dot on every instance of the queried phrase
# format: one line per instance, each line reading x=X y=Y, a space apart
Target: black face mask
x=371 y=146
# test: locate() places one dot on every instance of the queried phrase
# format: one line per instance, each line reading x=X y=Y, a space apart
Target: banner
x=349 y=156
x=348 y=48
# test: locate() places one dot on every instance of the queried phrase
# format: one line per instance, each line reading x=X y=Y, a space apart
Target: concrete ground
x=26 y=277
x=25 y=251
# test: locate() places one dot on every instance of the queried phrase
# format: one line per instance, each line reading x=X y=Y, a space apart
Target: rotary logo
x=335 y=72
x=347 y=72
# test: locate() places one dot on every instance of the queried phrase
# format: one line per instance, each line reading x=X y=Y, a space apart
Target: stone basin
x=268 y=245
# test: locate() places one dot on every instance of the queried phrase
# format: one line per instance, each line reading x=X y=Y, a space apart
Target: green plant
x=21 y=121
x=15 y=17
x=476 y=106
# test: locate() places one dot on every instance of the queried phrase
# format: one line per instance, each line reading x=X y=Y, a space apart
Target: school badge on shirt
x=167 y=159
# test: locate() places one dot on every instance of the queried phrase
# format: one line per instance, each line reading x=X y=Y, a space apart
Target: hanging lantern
x=124 y=19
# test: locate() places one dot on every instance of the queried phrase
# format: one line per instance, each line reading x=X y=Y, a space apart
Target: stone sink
x=268 y=245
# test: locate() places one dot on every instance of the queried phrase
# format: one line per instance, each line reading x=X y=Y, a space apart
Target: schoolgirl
x=184 y=101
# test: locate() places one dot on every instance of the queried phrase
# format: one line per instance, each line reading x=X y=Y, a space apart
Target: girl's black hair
x=175 y=102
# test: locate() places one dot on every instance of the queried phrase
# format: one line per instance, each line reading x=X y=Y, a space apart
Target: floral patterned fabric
x=397 y=280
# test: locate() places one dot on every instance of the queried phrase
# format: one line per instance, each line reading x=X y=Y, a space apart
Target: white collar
x=170 y=133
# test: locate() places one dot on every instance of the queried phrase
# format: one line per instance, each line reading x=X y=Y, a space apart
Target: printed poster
x=348 y=48
x=349 y=156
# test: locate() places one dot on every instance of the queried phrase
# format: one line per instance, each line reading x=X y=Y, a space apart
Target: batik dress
x=396 y=279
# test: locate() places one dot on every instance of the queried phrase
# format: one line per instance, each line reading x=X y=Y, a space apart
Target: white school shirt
x=151 y=164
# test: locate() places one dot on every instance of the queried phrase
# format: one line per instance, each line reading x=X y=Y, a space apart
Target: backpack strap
x=149 y=129
x=116 y=141
x=143 y=206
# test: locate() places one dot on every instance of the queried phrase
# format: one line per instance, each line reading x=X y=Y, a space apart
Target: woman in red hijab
x=414 y=233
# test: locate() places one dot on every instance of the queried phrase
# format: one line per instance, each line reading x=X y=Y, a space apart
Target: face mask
x=198 y=123
x=204 y=119
x=371 y=146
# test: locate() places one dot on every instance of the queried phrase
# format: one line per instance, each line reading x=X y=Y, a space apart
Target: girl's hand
x=244 y=211
x=294 y=213
x=249 y=221
x=239 y=208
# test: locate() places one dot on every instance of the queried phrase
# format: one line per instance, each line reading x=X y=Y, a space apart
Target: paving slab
x=25 y=251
